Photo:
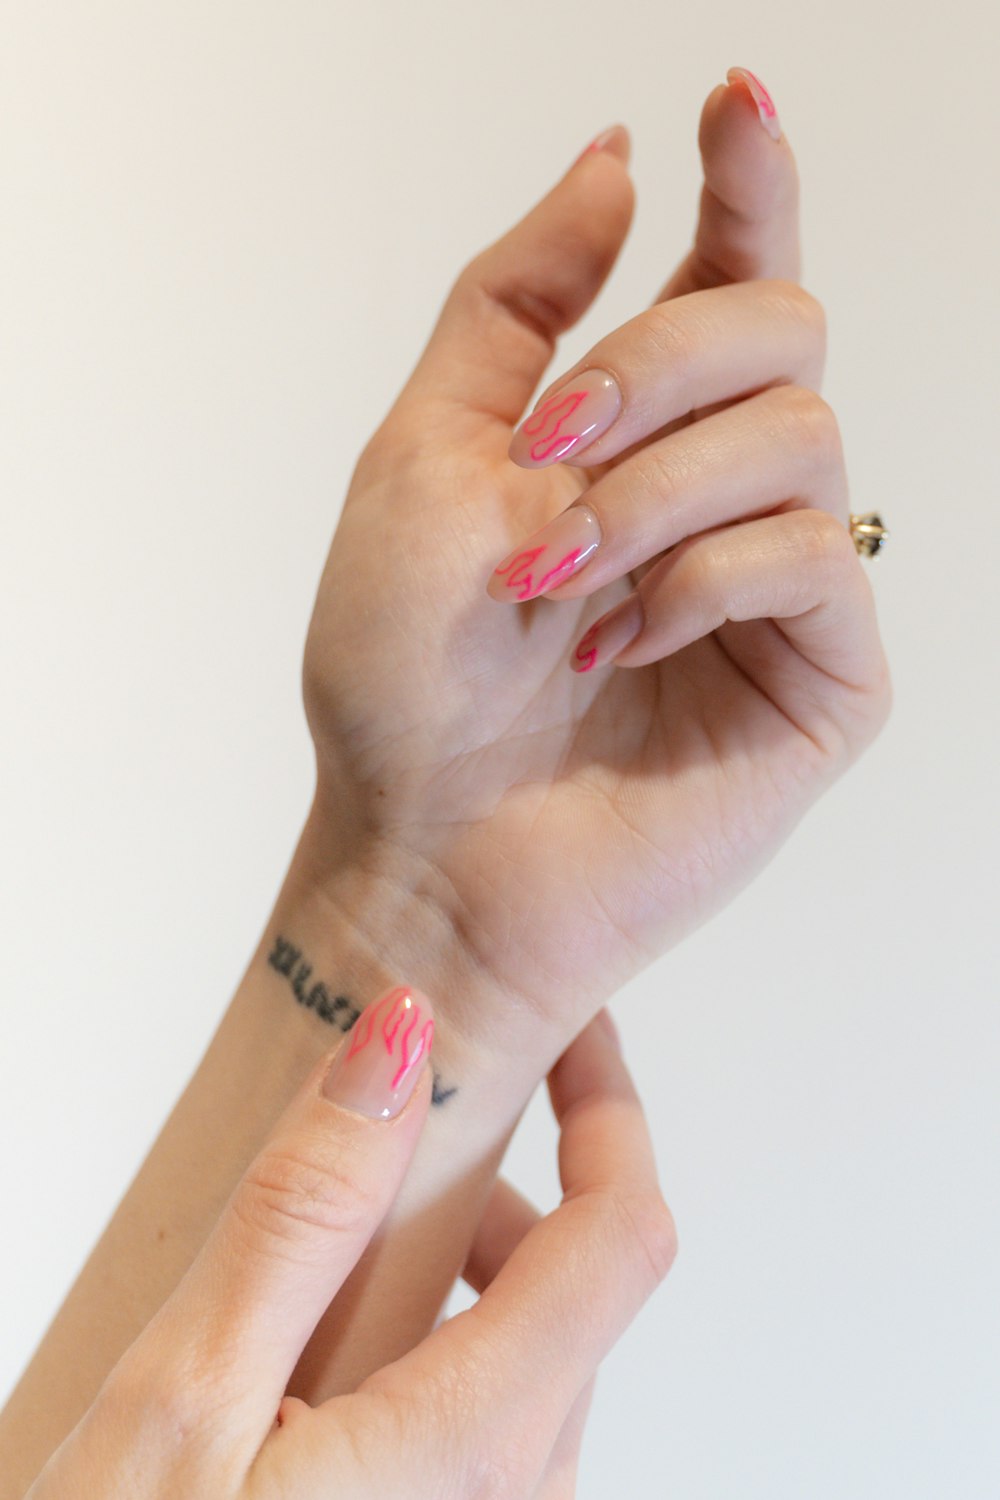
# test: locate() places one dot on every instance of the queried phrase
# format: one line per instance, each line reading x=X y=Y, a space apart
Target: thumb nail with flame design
x=577 y=414
x=377 y=1068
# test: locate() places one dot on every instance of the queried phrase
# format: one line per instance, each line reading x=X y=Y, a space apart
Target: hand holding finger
x=533 y=1341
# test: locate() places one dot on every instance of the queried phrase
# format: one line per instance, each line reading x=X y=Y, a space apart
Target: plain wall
x=226 y=230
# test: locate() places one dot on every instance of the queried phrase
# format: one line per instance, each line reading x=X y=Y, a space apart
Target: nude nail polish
x=377 y=1068
x=614 y=140
x=609 y=635
x=577 y=414
x=765 y=104
x=548 y=558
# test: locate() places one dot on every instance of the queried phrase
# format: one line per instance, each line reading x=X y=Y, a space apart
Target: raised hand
x=565 y=819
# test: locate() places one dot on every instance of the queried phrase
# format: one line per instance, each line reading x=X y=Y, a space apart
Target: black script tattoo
x=336 y=1010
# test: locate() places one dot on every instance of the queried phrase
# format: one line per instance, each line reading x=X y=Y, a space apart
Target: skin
x=512 y=837
x=196 y=1407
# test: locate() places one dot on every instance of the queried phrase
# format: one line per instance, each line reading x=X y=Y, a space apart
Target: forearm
x=330 y=945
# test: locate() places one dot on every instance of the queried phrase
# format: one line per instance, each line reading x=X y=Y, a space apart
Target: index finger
x=519 y=1358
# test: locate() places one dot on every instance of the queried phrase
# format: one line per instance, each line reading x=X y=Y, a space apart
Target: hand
x=196 y=1406
x=570 y=824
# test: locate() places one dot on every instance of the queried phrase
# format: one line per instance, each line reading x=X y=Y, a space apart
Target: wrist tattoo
x=335 y=1010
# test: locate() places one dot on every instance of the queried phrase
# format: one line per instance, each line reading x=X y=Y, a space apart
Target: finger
x=748 y=222
x=498 y=328
x=506 y=1220
x=519 y=1358
x=300 y=1218
x=780 y=449
x=559 y=1479
x=799 y=570
x=672 y=361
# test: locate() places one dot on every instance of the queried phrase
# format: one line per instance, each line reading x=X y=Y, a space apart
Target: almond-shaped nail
x=614 y=140
x=577 y=414
x=548 y=558
x=765 y=104
x=609 y=635
x=377 y=1068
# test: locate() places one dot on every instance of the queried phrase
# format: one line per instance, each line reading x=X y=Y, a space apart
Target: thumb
x=299 y=1220
x=748 y=222
x=498 y=328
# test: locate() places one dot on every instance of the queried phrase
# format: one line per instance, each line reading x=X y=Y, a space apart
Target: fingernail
x=765 y=104
x=614 y=140
x=377 y=1068
x=577 y=414
x=609 y=635
x=548 y=558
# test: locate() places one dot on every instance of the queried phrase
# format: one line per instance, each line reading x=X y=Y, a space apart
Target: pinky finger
x=797 y=574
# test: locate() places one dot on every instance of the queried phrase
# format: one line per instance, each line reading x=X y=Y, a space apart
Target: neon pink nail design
x=568 y=421
x=522 y=579
x=615 y=137
x=766 y=111
x=548 y=442
x=391 y=1012
x=609 y=635
x=586 y=651
x=518 y=567
x=548 y=558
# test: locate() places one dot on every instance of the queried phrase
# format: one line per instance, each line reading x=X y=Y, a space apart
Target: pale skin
x=515 y=837
x=196 y=1407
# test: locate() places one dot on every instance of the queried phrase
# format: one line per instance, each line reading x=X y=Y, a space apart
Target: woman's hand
x=492 y=1403
x=566 y=822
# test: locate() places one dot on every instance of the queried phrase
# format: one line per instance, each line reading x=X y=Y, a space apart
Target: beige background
x=226 y=230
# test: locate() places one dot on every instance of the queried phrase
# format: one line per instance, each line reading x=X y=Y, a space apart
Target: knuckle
x=291 y=1192
x=693 y=575
x=655 y=1233
x=793 y=299
x=149 y=1393
x=649 y=1230
x=673 y=338
x=812 y=424
x=824 y=540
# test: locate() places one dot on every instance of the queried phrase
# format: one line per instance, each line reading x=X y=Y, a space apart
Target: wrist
x=348 y=925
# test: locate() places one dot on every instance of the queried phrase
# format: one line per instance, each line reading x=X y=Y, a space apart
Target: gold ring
x=868 y=533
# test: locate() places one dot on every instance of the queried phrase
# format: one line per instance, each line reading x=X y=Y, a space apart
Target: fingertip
x=384 y=1062
x=614 y=141
x=749 y=86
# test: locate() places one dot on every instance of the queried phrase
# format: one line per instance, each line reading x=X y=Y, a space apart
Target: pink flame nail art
x=521 y=578
x=387 y=1020
x=586 y=650
x=556 y=410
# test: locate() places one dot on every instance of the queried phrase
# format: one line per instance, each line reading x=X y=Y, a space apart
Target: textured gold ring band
x=868 y=533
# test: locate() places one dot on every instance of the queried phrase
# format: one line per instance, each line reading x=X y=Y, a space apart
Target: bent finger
x=671 y=362
x=780 y=449
x=520 y=1357
x=507 y=1218
x=800 y=569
